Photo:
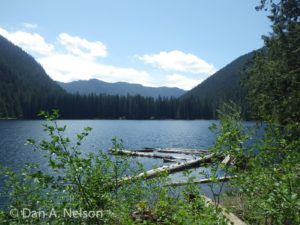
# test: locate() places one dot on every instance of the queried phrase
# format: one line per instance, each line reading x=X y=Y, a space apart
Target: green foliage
x=269 y=186
x=94 y=183
x=230 y=132
x=231 y=136
x=266 y=185
x=273 y=79
x=266 y=181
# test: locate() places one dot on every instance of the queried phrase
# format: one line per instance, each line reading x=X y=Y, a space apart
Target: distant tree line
x=75 y=106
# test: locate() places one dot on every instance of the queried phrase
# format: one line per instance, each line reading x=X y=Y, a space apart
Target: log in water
x=144 y=154
x=183 y=151
x=202 y=181
x=170 y=168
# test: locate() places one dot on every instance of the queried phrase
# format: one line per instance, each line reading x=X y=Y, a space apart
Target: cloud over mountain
x=178 y=61
x=31 y=42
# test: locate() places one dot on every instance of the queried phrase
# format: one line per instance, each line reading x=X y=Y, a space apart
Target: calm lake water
x=136 y=134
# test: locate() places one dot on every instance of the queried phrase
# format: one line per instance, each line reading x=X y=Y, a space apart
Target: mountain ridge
x=96 y=86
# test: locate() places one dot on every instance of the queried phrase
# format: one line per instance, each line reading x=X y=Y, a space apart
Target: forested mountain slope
x=23 y=82
x=224 y=85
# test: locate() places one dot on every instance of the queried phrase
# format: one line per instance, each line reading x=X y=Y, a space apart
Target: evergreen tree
x=274 y=77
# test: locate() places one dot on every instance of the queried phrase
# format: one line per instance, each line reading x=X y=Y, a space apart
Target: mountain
x=224 y=85
x=120 y=88
x=25 y=89
x=23 y=82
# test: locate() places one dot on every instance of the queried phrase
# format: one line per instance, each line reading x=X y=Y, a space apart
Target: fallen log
x=146 y=150
x=170 y=168
x=143 y=154
x=230 y=216
x=226 y=160
x=201 y=181
x=183 y=151
x=169 y=161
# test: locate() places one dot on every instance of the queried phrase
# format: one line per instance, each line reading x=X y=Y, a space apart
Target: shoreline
x=8 y=118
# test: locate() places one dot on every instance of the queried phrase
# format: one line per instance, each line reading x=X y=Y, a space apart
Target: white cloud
x=28 y=41
x=66 y=67
x=30 y=25
x=177 y=80
x=76 y=58
x=178 y=61
x=82 y=47
x=80 y=63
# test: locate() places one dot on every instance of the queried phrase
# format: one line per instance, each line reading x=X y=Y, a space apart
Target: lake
x=136 y=134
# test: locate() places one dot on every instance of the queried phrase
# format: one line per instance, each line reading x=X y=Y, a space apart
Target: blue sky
x=176 y=43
